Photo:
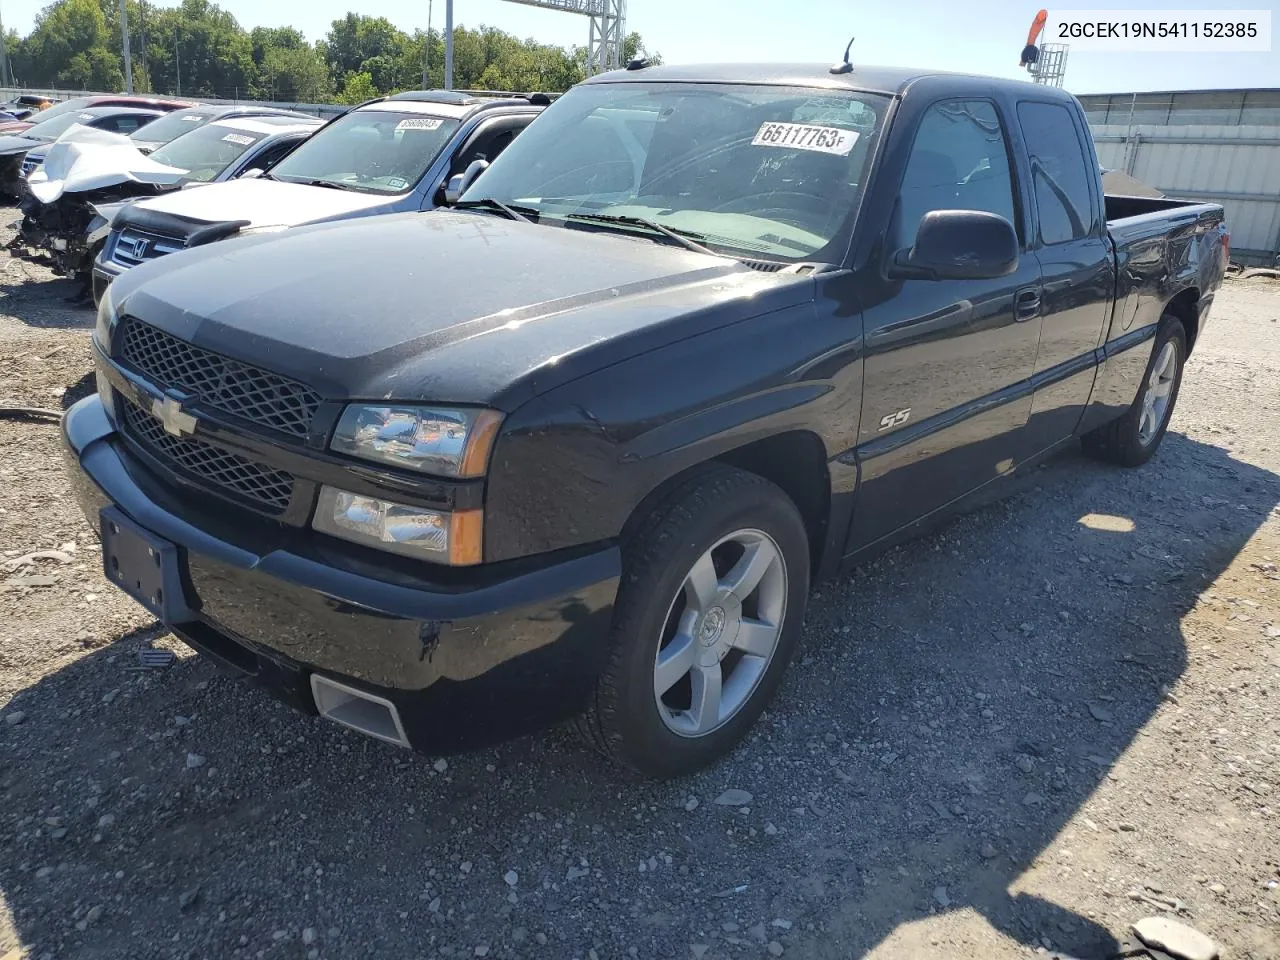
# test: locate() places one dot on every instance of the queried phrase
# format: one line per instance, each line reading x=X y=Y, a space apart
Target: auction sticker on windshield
x=803 y=136
x=238 y=138
x=420 y=123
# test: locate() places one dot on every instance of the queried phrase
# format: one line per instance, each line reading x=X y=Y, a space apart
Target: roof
x=268 y=125
x=119 y=111
x=866 y=79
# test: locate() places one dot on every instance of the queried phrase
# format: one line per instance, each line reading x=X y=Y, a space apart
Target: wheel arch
x=793 y=460
x=1186 y=307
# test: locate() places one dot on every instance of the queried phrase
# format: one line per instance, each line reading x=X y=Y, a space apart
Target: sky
x=976 y=36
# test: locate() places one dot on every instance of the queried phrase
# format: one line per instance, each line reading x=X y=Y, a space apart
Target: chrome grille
x=133 y=247
x=228 y=385
x=268 y=488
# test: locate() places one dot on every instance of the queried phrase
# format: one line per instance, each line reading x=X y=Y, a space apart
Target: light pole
x=128 y=60
x=426 y=52
x=448 y=44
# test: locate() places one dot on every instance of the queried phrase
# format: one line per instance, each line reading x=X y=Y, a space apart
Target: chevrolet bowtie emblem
x=176 y=421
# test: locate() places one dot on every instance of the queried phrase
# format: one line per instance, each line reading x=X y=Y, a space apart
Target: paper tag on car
x=192 y=118
x=239 y=138
x=804 y=136
x=419 y=123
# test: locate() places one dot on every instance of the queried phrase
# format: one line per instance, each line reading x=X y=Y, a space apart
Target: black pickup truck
x=578 y=448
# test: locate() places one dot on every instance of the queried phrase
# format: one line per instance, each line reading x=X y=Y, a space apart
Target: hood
x=16 y=144
x=444 y=306
x=265 y=203
x=87 y=159
x=15 y=126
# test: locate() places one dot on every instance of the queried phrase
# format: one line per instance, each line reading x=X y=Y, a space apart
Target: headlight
x=434 y=440
x=454 y=538
x=253 y=231
x=106 y=321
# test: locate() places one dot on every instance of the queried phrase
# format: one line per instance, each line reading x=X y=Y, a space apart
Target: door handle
x=1026 y=305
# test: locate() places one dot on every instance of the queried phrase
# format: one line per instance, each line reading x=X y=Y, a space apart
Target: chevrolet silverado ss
x=579 y=447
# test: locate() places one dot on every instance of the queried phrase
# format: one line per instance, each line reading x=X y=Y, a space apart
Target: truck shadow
x=956 y=703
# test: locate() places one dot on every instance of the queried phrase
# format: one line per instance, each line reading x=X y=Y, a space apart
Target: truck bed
x=1133 y=219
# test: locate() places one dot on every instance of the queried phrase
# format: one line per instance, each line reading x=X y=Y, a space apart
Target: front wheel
x=1133 y=439
x=707 y=619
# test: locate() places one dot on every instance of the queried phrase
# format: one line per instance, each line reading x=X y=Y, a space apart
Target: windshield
x=373 y=151
x=171 y=127
x=206 y=152
x=55 y=127
x=773 y=171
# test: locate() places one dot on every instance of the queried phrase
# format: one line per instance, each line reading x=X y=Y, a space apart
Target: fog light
x=436 y=535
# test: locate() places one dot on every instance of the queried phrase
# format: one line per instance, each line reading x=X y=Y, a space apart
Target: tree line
x=197 y=49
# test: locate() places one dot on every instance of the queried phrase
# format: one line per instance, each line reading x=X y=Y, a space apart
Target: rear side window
x=1059 y=172
x=959 y=161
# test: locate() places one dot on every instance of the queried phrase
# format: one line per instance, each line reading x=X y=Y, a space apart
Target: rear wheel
x=1133 y=439
x=707 y=619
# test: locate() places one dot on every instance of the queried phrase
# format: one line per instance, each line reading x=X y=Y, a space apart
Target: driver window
x=959 y=161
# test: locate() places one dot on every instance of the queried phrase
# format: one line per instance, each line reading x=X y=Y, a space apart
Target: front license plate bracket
x=143 y=565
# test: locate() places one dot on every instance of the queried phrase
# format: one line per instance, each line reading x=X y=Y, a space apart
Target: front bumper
x=104 y=273
x=464 y=665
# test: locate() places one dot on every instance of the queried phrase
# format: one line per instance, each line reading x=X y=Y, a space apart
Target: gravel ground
x=1019 y=734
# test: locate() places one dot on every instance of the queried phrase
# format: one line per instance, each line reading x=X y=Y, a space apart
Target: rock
x=699 y=950
x=541 y=938
x=770 y=829
x=95 y=914
x=940 y=897
x=441 y=765
x=1101 y=714
x=106 y=820
x=1032 y=800
x=309 y=936
x=988 y=851
x=691 y=804
x=518 y=934
x=774 y=948
x=434 y=905
x=194 y=760
x=188 y=898
x=782 y=924
x=734 y=798
x=511 y=878
x=729 y=927
x=1024 y=763
x=757 y=931
x=1217 y=888
x=1273 y=633
x=1178 y=939
x=465 y=866
x=44 y=873
x=482 y=950
x=58 y=833
x=576 y=873
x=15 y=718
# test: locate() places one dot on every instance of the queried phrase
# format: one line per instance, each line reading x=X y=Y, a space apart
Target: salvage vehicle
x=15 y=164
x=579 y=447
x=164 y=104
x=390 y=155
x=66 y=220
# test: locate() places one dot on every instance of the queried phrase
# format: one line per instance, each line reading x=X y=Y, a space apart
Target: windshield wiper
x=675 y=236
x=507 y=210
x=331 y=184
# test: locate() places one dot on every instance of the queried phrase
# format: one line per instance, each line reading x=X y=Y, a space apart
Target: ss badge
x=895 y=419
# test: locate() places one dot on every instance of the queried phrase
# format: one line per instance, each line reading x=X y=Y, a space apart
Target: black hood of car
x=444 y=306
x=12 y=144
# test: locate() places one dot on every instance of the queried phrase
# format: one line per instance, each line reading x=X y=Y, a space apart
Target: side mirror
x=959 y=245
x=253 y=174
x=459 y=182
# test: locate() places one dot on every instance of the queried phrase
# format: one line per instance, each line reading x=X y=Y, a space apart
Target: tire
x=1133 y=439
x=666 y=615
